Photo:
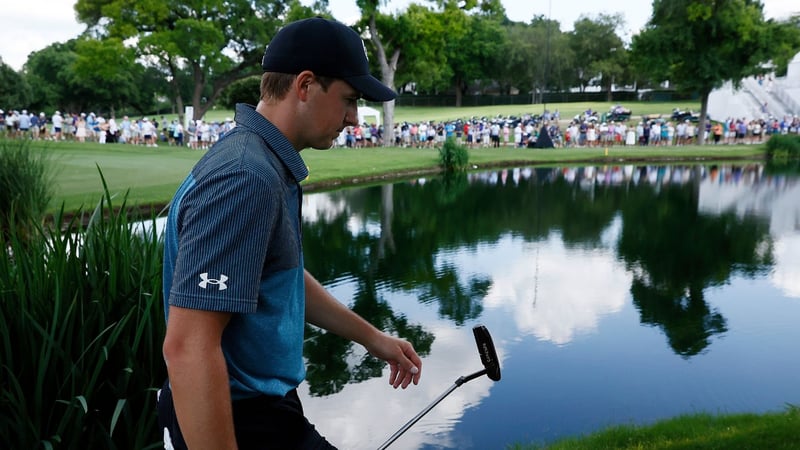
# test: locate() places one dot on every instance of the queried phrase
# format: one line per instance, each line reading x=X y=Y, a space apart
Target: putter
x=491 y=368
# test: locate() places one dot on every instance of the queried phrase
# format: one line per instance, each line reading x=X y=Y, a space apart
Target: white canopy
x=365 y=112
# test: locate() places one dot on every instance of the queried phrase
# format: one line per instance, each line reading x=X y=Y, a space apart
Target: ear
x=302 y=83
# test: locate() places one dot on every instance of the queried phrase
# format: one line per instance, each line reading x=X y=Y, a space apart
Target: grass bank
x=151 y=175
x=701 y=431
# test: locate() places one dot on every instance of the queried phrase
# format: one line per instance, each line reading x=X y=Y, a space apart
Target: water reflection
x=552 y=254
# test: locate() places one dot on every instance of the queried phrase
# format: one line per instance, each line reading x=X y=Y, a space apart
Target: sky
x=24 y=30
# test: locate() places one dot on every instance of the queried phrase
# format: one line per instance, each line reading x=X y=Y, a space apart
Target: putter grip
x=487 y=352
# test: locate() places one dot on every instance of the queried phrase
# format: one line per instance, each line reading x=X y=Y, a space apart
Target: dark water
x=615 y=295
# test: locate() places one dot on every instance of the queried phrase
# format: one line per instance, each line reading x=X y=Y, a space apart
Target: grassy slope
x=702 y=431
x=153 y=174
x=149 y=173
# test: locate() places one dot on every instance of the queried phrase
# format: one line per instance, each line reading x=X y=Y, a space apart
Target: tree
x=119 y=81
x=698 y=45
x=90 y=75
x=785 y=38
x=14 y=90
x=405 y=48
x=52 y=79
x=598 y=49
x=216 y=41
x=472 y=48
x=536 y=57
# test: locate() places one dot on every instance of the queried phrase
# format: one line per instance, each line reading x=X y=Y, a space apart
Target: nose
x=351 y=116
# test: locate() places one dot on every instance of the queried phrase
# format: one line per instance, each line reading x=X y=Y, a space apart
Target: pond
x=614 y=295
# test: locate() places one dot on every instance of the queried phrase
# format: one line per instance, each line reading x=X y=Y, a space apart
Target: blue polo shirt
x=233 y=243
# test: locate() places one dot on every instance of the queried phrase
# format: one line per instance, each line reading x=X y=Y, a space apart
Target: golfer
x=236 y=293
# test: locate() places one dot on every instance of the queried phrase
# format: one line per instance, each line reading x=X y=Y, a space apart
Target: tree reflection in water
x=393 y=238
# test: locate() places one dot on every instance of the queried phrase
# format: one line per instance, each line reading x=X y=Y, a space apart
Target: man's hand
x=405 y=364
x=326 y=312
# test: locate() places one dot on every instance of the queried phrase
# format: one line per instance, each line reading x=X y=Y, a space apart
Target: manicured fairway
x=152 y=174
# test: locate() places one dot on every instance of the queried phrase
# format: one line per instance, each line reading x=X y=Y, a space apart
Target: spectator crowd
x=82 y=127
x=585 y=130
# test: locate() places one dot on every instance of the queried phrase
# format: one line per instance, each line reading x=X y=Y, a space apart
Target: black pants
x=261 y=423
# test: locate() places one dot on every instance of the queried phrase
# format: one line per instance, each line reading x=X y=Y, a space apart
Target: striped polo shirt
x=233 y=243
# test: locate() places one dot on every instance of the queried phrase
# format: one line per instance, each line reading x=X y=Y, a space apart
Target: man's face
x=330 y=112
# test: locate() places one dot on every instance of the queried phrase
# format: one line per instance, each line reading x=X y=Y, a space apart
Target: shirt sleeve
x=225 y=225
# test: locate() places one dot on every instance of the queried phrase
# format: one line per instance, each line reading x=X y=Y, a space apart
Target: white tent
x=365 y=112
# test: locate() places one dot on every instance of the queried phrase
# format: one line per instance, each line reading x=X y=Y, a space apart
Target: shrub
x=80 y=331
x=784 y=146
x=26 y=183
x=453 y=157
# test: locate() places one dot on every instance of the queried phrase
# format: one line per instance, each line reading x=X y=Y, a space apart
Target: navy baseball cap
x=328 y=48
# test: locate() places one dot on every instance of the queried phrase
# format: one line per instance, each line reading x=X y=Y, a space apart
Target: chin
x=327 y=146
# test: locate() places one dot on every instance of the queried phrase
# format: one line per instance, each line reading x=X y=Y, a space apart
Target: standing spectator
x=680 y=131
x=148 y=132
x=204 y=131
x=716 y=130
x=177 y=133
x=691 y=132
x=630 y=136
x=670 y=133
x=35 y=124
x=164 y=128
x=58 y=124
x=11 y=124
x=24 y=123
x=655 y=133
x=125 y=130
x=102 y=130
x=366 y=131
x=113 y=130
x=494 y=133
x=80 y=128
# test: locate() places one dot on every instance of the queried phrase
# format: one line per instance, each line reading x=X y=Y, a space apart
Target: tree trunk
x=388 y=123
x=388 y=70
x=459 y=94
x=197 y=94
x=701 y=124
x=176 y=89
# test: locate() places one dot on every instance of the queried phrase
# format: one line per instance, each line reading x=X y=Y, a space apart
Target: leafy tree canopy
x=699 y=45
x=14 y=90
x=215 y=42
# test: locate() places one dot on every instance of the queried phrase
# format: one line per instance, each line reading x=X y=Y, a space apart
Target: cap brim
x=371 y=88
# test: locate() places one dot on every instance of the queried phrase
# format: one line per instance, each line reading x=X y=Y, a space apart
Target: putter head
x=486 y=350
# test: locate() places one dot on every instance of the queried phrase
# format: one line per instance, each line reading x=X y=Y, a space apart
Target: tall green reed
x=453 y=157
x=80 y=331
x=26 y=185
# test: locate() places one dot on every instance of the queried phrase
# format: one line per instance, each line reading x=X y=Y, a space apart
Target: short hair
x=275 y=85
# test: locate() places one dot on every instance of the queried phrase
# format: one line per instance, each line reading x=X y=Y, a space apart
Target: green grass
x=150 y=173
x=701 y=431
x=153 y=174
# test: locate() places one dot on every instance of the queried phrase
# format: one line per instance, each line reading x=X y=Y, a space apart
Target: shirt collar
x=247 y=116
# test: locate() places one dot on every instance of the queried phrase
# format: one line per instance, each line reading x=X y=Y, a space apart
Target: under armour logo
x=219 y=282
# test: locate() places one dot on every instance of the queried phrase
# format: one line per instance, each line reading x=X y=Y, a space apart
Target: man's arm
x=324 y=311
x=198 y=377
